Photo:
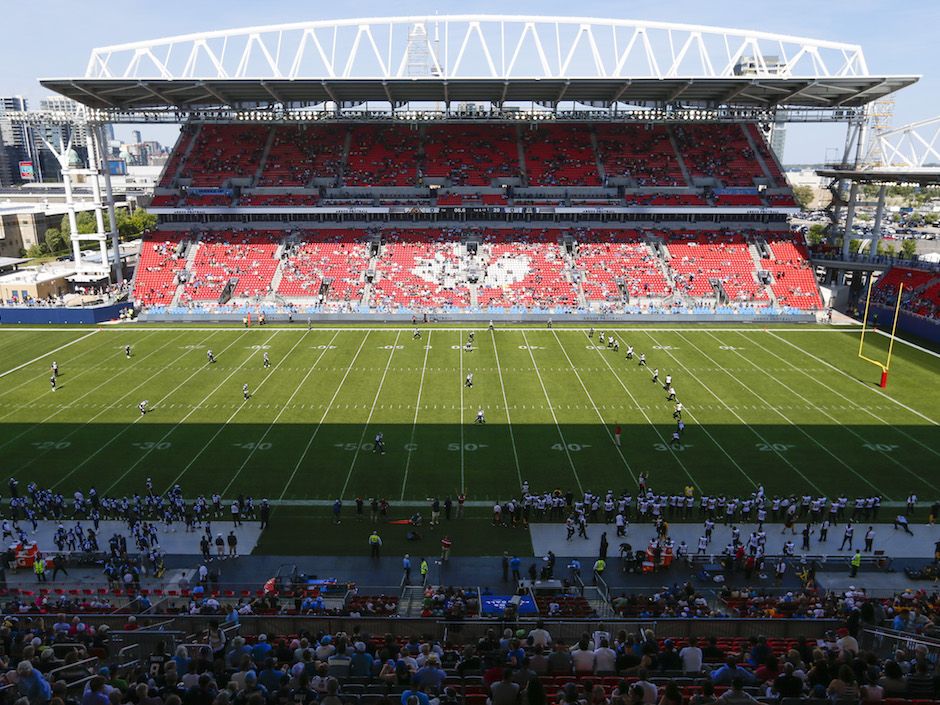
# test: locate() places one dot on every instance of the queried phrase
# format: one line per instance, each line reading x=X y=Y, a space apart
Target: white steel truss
x=478 y=46
x=913 y=146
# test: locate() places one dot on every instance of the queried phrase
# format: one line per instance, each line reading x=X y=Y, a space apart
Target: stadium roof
x=923 y=177
x=464 y=58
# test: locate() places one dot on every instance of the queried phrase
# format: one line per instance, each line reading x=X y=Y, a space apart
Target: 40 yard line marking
x=325 y=412
x=371 y=412
x=548 y=401
x=414 y=424
x=512 y=436
x=596 y=410
x=45 y=355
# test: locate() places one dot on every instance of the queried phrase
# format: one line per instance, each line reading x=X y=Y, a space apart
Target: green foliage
x=816 y=234
x=908 y=248
x=132 y=225
x=36 y=250
x=804 y=196
x=854 y=244
x=54 y=240
x=87 y=224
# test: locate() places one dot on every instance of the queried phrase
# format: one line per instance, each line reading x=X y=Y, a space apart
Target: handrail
x=90 y=662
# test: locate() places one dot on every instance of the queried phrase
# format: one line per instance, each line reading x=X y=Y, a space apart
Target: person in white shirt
x=583 y=657
x=605 y=659
x=691 y=657
x=540 y=635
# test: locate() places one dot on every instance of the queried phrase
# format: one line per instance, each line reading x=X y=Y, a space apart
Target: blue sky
x=47 y=38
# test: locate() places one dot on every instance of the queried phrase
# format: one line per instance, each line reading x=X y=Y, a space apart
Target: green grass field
x=792 y=408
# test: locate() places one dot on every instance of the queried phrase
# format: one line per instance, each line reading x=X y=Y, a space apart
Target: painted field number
x=152 y=445
x=51 y=445
x=253 y=446
x=881 y=447
x=351 y=447
x=773 y=447
x=573 y=447
x=469 y=447
x=663 y=448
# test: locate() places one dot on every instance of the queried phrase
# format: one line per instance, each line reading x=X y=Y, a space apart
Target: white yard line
x=857 y=381
x=786 y=418
x=129 y=368
x=666 y=443
x=193 y=411
x=738 y=417
x=512 y=436
x=369 y=419
x=320 y=423
x=460 y=382
x=597 y=411
x=548 y=401
x=414 y=424
x=132 y=423
x=46 y=354
x=470 y=324
x=239 y=408
x=848 y=428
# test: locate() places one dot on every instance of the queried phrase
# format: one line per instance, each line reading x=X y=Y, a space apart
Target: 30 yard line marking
x=45 y=355
x=561 y=435
x=857 y=381
x=596 y=410
x=190 y=413
x=512 y=436
x=854 y=406
x=738 y=417
x=238 y=408
x=414 y=424
x=660 y=435
x=329 y=406
x=783 y=416
x=371 y=412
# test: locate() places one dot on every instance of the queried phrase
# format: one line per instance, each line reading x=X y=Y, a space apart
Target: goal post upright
x=885 y=366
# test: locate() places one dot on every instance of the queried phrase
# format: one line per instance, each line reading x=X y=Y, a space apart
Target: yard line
x=857 y=381
x=564 y=443
x=414 y=425
x=238 y=408
x=325 y=412
x=460 y=382
x=777 y=411
x=855 y=406
x=512 y=437
x=371 y=412
x=44 y=355
x=597 y=411
x=193 y=411
x=738 y=417
x=135 y=421
x=90 y=391
x=662 y=438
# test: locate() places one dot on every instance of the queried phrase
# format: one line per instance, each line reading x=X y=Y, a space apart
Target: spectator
x=560 y=662
x=892 y=682
x=650 y=691
x=729 y=671
x=920 y=684
x=332 y=690
x=32 y=685
x=843 y=686
x=582 y=656
x=540 y=635
x=430 y=675
x=605 y=659
x=504 y=692
x=735 y=695
x=706 y=697
x=788 y=685
x=671 y=695
x=360 y=665
x=691 y=657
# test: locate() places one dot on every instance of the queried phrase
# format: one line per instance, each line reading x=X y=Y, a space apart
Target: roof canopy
x=490 y=58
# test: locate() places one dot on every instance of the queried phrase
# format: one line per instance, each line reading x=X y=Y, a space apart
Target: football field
x=789 y=407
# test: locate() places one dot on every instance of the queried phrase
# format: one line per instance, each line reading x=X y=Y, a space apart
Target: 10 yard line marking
x=239 y=408
x=134 y=422
x=371 y=412
x=190 y=413
x=857 y=381
x=414 y=425
x=512 y=436
x=564 y=443
x=596 y=410
x=325 y=412
x=44 y=355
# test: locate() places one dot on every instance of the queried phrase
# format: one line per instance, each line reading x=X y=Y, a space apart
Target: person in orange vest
x=39 y=568
x=446 y=543
x=667 y=556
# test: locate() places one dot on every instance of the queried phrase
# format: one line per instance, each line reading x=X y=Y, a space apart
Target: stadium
x=478 y=359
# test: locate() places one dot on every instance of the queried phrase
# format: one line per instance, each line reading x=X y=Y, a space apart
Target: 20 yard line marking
x=371 y=412
x=512 y=436
x=45 y=355
x=329 y=406
x=564 y=443
x=596 y=410
x=414 y=424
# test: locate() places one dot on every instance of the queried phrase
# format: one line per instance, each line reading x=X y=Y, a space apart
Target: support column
x=96 y=194
x=118 y=271
x=879 y=215
x=849 y=220
x=70 y=205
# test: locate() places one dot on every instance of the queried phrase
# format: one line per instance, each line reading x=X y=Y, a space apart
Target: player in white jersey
x=468 y=383
x=480 y=417
x=267 y=360
x=245 y=391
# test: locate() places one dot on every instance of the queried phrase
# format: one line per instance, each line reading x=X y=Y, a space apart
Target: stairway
x=344 y=159
x=190 y=258
x=597 y=157
x=682 y=167
x=264 y=157
x=757 y=155
x=598 y=603
x=522 y=169
x=411 y=603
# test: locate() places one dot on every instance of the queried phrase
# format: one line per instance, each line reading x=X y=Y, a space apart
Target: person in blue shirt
x=420 y=697
x=361 y=663
x=260 y=650
x=32 y=685
x=430 y=675
x=729 y=671
x=514 y=564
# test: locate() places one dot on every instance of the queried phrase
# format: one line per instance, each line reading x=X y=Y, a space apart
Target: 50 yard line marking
x=597 y=411
x=371 y=412
x=414 y=424
x=561 y=435
x=329 y=406
x=512 y=436
x=44 y=355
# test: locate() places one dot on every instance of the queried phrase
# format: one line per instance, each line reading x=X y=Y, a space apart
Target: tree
x=85 y=220
x=36 y=250
x=54 y=240
x=804 y=196
x=817 y=233
x=908 y=248
x=131 y=225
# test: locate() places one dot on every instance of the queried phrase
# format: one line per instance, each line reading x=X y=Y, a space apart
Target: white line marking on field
x=371 y=412
x=786 y=418
x=132 y=423
x=662 y=438
x=857 y=381
x=325 y=412
x=596 y=410
x=512 y=436
x=45 y=355
x=738 y=417
x=561 y=435
x=414 y=424
x=818 y=381
x=460 y=382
